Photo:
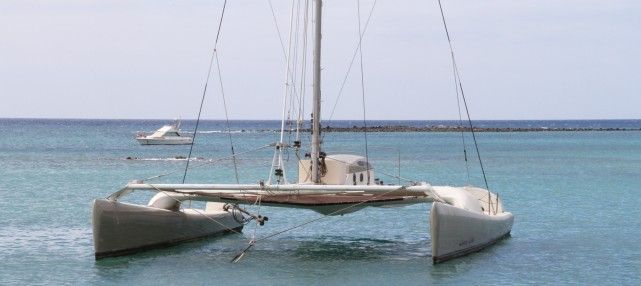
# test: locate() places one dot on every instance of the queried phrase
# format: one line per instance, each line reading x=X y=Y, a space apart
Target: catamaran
x=462 y=219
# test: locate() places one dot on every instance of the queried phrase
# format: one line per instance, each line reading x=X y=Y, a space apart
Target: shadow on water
x=316 y=249
x=351 y=250
x=331 y=248
x=317 y=254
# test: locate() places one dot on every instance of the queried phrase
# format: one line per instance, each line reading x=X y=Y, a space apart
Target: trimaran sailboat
x=462 y=219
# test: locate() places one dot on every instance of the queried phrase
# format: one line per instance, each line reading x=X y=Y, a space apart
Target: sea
x=575 y=195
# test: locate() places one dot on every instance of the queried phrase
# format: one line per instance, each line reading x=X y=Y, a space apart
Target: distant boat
x=166 y=135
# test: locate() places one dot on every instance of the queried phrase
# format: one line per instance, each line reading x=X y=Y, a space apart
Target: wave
x=208 y=132
x=222 y=131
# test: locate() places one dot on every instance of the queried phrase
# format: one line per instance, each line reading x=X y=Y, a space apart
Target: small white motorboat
x=166 y=135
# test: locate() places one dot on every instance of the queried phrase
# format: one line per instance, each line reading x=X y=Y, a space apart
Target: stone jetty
x=443 y=128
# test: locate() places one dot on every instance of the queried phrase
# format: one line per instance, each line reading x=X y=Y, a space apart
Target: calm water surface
x=575 y=196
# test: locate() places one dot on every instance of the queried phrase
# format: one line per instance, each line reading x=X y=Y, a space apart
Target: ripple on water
x=39 y=241
x=39 y=255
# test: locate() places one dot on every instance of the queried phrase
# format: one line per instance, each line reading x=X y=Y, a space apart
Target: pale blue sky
x=537 y=59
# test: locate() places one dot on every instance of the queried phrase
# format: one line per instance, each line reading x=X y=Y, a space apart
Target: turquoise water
x=575 y=196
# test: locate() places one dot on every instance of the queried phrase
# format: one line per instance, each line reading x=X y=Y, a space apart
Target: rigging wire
x=278 y=32
x=397 y=176
x=301 y=97
x=460 y=120
x=231 y=142
x=202 y=100
x=360 y=51
x=211 y=161
x=293 y=99
x=278 y=165
x=349 y=68
x=460 y=86
x=280 y=38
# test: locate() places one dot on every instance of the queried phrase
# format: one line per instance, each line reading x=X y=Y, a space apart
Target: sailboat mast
x=316 y=110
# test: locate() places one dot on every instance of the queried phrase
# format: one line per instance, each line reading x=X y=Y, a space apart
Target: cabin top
x=167 y=130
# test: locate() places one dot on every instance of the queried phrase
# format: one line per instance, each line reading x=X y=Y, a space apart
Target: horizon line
x=222 y=119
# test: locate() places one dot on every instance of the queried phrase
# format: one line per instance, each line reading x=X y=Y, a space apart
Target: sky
x=148 y=59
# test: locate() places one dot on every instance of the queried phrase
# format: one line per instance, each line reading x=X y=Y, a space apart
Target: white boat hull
x=165 y=141
x=456 y=231
x=122 y=228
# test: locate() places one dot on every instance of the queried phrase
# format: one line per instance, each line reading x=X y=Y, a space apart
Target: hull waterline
x=164 y=141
